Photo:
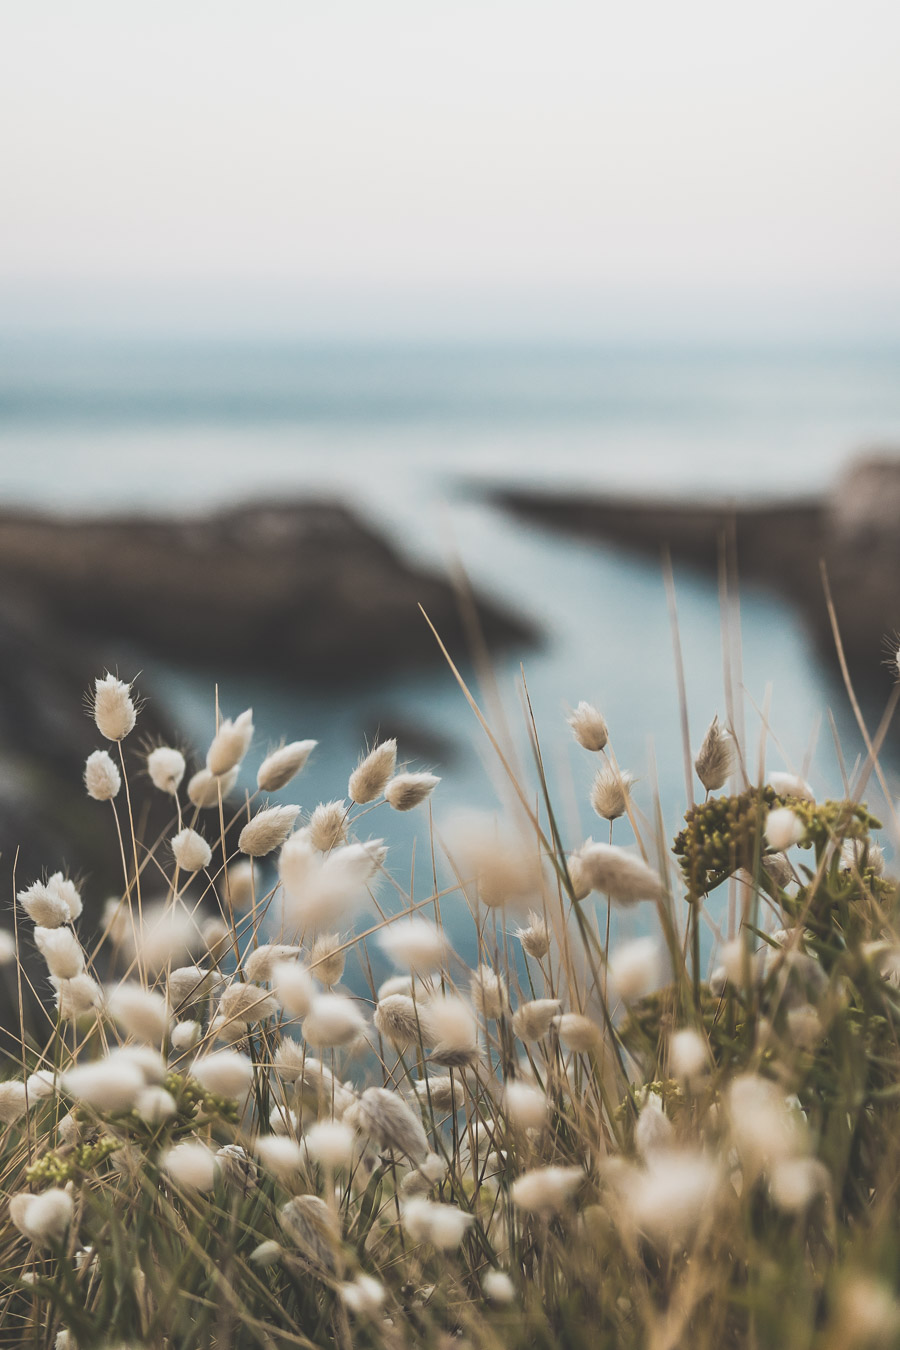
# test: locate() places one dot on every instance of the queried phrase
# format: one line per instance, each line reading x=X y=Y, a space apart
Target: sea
x=411 y=435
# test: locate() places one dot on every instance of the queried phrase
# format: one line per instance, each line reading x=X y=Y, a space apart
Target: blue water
x=398 y=432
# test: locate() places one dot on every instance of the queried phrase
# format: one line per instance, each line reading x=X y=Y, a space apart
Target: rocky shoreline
x=852 y=529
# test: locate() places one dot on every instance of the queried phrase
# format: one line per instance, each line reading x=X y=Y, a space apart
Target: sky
x=485 y=163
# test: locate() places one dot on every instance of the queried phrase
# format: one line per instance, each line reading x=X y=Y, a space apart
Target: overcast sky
x=354 y=162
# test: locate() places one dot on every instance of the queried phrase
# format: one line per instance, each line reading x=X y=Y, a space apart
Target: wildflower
x=313 y=1228
x=239 y=884
x=653 y=1131
x=386 y=1119
x=414 y=944
x=281 y=1156
x=688 y=1054
x=364 y=1296
x=293 y=987
x=577 y=1032
x=191 y=1166
x=192 y=852
x=278 y=768
x=609 y=794
x=113 y=708
x=166 y=767
x=185 y=985
x=204 y=787
x=185 y=1036
x=373 y=774
x=716 y=757
x=589 y=727
x=76 y=997
x=535 y=939
x=789 y=785
x=452 y=1026
x=246 y=1003
x=45 y=909
x=236 y=1167
x=230 y=744
x=545 y=1190
x=332 y=1021
x=267 y=830
x=155 y=1105
x=525 y=1106
x=635 y=968
x=268 y=1253
x=327 y=958
x=261 y=961
x=623 y=876
x=669 y=1198
x=330 y=1143
x=397 y=1018
x=533 y=1020
x=489 y=992
x=408 y=790
x=444 y=1226
x=783 y=829
x=140 y=1012
x=102 y=779
x=227 y=1073
x=13 y=1101
x=61 y=950
x=106 y=1084
x=45 y=1217
x=328 y=826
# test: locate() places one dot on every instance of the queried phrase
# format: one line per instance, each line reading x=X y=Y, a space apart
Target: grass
x=215 y=1142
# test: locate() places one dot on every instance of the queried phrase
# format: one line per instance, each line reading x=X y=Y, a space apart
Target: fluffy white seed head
x=111 y=1085
x=794 y=1183
x=226 y=1073
x=237 y=1168
x=414 y=944
x=364 y=1296
x=239 y=884
x=230 y=744
x=764 y=1127
x=278 y=768
x=77 y=997
x=61 y=950
x=489 y=992
x=689 y=1056
x=861 y=855
x=389 y=1122
x=166 y=767
x=545 y=1190
x=533 y=1020
x=610 y=792
x=789 y=785
x=369 y=780
x=267 y=830
x=654 y=1131
x=525 y=1106
x=113 y=708
x=497 y=1285
x=185 y=1035
x=268 y=1253
x=535 y=939
x=623 y=876
x=505 y=863
x=332 y=1021
x=43 y=906
x=102 y=779
x=444 y=1226
x=47 y=1217
x=155 y=1105
x=452 y=1025
x=192 y=852
x=589 y=727
x=327 y=826
x=246 y=1003
x=408 y=790
x=13 y=1100
x=65 y=890
x=577 y=1032
x=280 y=1155
x=191 y=1166
x=293 y=987
x=398 y=1019
x=673 y=1195
x=142 y=1013
x=636 y=968
x=8 y=951
x=40 y=1085
x=783 y=829
x=716 y=757
x=327 y=958
x=259 y=963
x=330 y=1143
x=204 y=787
x=185 y=985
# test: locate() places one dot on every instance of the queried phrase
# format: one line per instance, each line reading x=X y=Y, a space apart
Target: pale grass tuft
x=332 y=1021
x=369 y=780
x=545 y=1190
x=113 y=708
x=716 y=757
x=192 y=852
x=230 y=744
x=623 y=876
x=327 y=826
x=279 y=767
x=102 y=779
x=204 y=787
x=327 y=958
x=190 y=1166
x=589 y=727
x=610 y=793
x=389 y=1122
x=409 y=790
x=414 y=944
x=166 y=767
x=267 y=830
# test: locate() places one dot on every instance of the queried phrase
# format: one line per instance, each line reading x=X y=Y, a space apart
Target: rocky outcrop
x=303 y=591
x=853 y=529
